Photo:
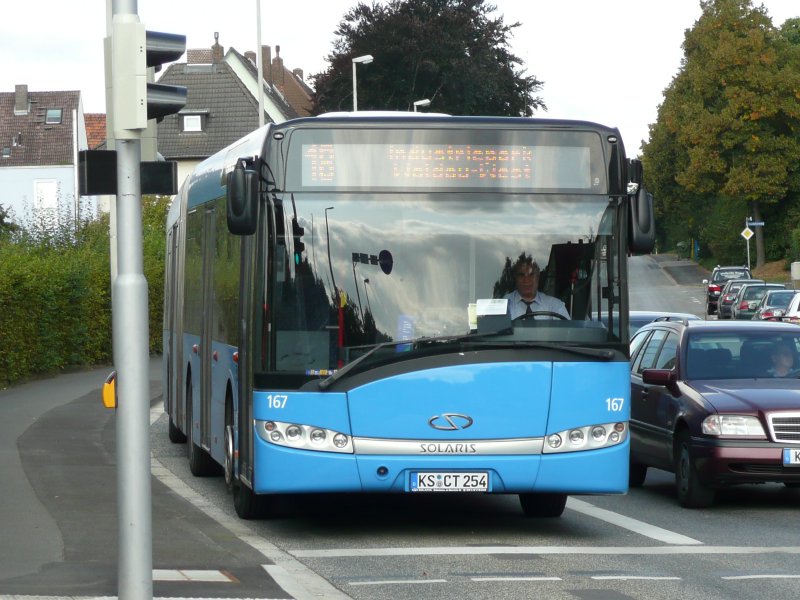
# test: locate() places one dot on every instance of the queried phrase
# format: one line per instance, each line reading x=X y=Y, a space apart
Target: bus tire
x=636 y=475
x=546 y=505
x=200 y=462
x=176 y=436
x=249 y=505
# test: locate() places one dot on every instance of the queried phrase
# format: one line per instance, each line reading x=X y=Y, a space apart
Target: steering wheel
x=793 y=373
x=544 y=313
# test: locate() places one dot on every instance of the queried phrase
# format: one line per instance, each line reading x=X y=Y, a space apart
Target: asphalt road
x=58 y=531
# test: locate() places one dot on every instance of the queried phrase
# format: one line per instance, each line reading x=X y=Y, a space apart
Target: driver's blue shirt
x=542 y=302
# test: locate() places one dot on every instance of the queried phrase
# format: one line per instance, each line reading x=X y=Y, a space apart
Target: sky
x=607 y=61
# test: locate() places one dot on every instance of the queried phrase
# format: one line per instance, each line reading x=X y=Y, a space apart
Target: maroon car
x=717 y=403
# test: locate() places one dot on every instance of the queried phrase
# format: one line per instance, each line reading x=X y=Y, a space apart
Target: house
x=41 y=134
x=221 y=107
x=95 y=130
x=289 y=84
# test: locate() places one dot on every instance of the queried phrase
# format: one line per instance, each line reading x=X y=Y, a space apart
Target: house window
x=53 y=116
x=6 y=152
x=192 y=123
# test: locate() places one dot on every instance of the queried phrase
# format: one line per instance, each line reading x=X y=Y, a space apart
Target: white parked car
x=792 y=312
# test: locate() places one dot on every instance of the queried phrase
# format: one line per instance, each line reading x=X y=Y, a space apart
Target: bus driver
x=527 y=298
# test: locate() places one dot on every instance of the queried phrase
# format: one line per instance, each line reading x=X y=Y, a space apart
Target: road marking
x=762 y=577
x=191 y=575
x=294 y=577
x=563 y=550
x=308 y=585
x=397 y=581
x=532 y=578
x=640 y=527
x=633 y=578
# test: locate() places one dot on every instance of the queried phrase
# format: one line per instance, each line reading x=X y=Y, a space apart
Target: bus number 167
x=277 y=400
x=615 y=404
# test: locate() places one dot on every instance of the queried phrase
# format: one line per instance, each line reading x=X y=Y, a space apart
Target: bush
x=56 y=296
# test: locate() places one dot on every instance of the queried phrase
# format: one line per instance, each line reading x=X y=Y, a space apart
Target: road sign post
x=747 y=233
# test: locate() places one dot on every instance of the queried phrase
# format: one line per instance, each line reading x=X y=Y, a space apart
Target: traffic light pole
x=131 y=344
x=131 y=358
x=134 y=102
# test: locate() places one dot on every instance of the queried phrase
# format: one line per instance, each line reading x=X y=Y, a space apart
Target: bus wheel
x=229 y=455
x=200 y=462
x=176 y=436
x=250 y=505
x=543 y=505
x=637 y=474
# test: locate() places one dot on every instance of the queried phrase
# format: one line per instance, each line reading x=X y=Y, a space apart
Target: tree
x=7 y=225
x=726 y=132
x=449 y=51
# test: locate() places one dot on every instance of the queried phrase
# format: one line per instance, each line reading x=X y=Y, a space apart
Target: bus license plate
x=791 y=457
x=450 y=482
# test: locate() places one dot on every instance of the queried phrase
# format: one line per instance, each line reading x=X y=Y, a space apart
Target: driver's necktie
x=528 y=310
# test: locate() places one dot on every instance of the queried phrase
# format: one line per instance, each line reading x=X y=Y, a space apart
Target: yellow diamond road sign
x=747 y=233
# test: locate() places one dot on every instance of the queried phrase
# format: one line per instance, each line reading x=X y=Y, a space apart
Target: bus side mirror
x=641 y=222
x=242 y=196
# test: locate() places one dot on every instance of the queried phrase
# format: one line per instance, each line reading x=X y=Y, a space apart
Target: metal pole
x=746 y=222
x=131 y=358
x=355 y=89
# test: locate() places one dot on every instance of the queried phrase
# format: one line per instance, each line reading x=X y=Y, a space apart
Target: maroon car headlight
x=733 y=425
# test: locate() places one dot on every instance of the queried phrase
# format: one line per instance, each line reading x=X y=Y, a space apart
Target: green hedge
x=55 y=300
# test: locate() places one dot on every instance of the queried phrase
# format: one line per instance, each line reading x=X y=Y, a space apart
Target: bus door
x=209 y=245
x=171 y=308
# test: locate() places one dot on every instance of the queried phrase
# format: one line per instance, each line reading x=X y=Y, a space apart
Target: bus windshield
x=353 y=270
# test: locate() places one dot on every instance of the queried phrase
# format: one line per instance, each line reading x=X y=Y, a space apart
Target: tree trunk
x=759 y=237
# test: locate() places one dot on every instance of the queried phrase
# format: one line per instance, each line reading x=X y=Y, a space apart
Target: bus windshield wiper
x=602 y=353
x=326 y=383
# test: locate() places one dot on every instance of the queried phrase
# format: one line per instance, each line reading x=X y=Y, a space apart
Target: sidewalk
x=682 y=270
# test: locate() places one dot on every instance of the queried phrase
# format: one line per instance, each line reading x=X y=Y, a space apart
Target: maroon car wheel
x=692 y=493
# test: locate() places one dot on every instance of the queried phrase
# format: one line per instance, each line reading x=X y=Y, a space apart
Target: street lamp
x=421 y=103
x=330 y=264
x=364 y=60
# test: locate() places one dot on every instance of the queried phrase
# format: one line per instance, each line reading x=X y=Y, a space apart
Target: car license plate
x=791 y=457
x=449 y=482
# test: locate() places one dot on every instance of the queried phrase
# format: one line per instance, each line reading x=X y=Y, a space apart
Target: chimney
x=266 y=60
x=216 y=50
x=278 y=72
x=21 y=104
x=251 y=56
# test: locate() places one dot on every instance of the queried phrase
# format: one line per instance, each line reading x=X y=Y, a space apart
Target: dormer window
x=53 y=116
x=193 y=121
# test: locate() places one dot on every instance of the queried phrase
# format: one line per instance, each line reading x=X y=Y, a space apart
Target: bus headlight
x=590 y=437
x=293 y=433
x=304 y=437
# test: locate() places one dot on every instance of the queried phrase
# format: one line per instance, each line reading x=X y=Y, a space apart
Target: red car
x=717 y=403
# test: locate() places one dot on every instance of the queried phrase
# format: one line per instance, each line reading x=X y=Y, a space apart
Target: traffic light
x=133 y=50
x=163 y=100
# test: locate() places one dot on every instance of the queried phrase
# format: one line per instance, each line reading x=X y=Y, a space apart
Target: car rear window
x=756 y=292
x=725 y=275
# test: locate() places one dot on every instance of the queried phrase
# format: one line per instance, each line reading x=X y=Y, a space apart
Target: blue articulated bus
x=338 y=313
